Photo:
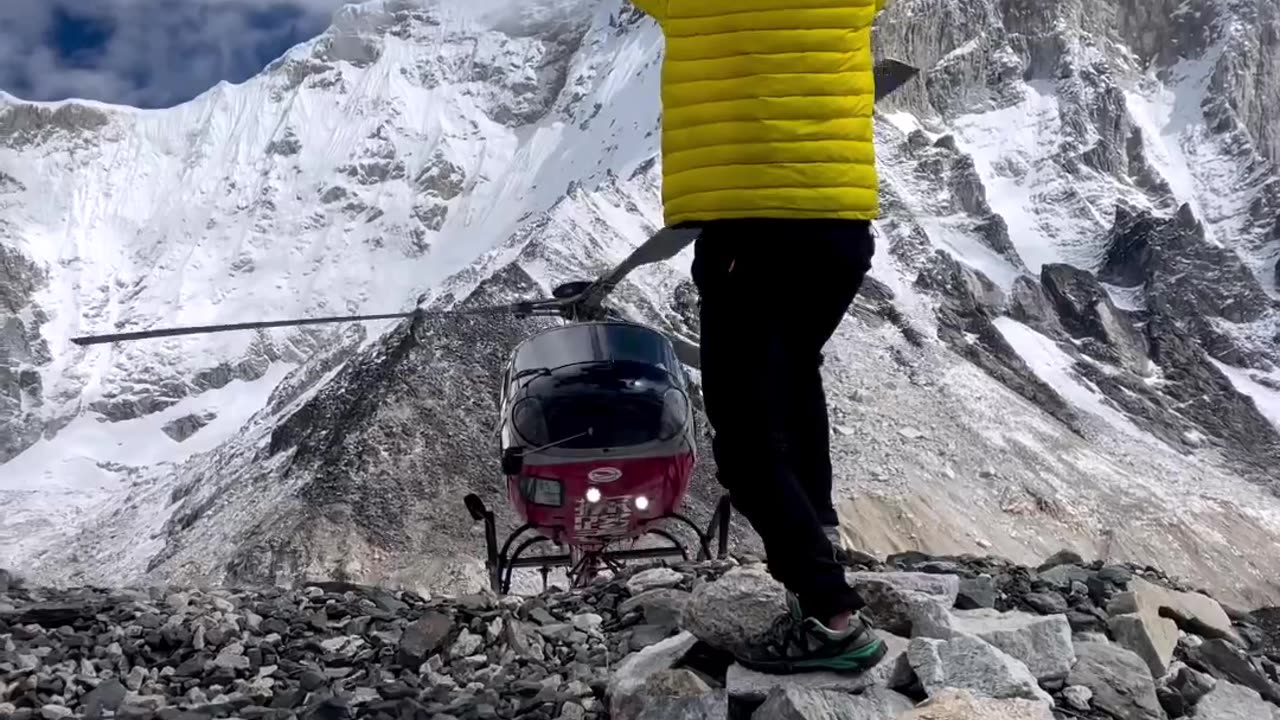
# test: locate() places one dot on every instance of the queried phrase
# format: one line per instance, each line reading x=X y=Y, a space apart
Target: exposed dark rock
x=22 y=125
x=187 y=425
x=1087 y=313
x=1182 y=689
x=286 y=145
x=441 y=177
x=1203 y=393
x=1181 y=270
x=22 y=351
x=1267 y=621
x=967 y=289
x=431 y=215
x=1224 y=661
x=993 y=353
x=1029 y=306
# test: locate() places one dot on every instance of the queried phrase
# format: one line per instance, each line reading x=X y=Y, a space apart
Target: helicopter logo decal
x=604 y=475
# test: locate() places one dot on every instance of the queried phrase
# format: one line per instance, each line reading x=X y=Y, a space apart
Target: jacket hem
x=672 y=220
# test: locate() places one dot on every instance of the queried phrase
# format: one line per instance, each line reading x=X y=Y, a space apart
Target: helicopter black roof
x=600 y=340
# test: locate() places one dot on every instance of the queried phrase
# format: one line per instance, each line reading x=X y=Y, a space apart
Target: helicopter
x=597 y=441
x=596 y=436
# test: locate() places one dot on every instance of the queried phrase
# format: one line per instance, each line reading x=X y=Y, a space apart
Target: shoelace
x=785 y=634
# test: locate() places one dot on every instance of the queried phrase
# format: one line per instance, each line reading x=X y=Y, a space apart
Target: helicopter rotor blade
x=662 y=245
x=891 y=75
x=687 y=352
x=199 y=329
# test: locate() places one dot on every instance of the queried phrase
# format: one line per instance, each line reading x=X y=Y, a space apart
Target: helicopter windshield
x=588 y=342
x=597 y=386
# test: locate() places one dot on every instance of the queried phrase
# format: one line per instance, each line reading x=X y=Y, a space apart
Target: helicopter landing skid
x=584 y=564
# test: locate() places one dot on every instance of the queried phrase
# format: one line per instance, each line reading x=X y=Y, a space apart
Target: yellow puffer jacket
x=767 y=108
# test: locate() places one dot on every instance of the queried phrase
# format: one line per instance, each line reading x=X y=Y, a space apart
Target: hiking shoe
x=837 y=544
x=798 y=644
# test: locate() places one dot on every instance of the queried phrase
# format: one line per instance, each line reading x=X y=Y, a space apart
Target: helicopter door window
x=547 y=492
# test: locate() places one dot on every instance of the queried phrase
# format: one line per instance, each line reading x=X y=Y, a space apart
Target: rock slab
x=960 y=704
x=943 y=588
x=795 y=703
x=628 y=681
x=1120 y=681
x=672 y=695
x=1195 y=612
x=1228 y=701
x=1042 y=642
x=970 y=663
x=1152 y=637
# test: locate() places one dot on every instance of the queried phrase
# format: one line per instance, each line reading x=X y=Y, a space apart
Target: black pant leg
x=809 y=443
x=836 y=255
x=752 y=365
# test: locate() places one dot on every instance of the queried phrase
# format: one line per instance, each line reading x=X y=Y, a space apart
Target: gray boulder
x=959 y=704
x=943 y=588
x=1228 y=701
x=735 y=613
x=1121 y=684
x=1152 y=637
x=672 y=695
x=628 y=681
x=908 y=604
x=1042 y=642
x=795 y=703
x=968 y=662
x=653 y=579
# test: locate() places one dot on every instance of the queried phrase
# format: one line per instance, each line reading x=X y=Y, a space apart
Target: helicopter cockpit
x=592 y=387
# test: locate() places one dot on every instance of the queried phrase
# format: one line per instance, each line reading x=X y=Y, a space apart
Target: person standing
x=767 y=148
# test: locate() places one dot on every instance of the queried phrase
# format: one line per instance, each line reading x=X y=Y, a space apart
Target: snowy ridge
x=417 y=151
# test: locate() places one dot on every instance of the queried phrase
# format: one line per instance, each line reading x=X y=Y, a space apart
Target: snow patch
x=1053 y=365
x=1266 y=398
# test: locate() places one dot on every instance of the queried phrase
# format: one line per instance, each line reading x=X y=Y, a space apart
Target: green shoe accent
x=797 y=644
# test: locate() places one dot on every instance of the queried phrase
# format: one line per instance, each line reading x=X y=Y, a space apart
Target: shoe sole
x=852 y=663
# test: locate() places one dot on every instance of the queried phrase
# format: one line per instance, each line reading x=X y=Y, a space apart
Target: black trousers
x=772 y=293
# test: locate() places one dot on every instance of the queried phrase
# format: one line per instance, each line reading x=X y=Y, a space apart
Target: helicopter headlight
x=642 y=503
x=593 y=494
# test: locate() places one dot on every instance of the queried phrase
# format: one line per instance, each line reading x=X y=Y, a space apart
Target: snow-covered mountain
x=1071 y=337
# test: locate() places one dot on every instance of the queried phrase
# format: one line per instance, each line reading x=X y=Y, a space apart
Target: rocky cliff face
x=1190 y=268
x=1069 y=337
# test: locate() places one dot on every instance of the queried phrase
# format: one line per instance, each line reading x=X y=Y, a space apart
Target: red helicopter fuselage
x=599 y=418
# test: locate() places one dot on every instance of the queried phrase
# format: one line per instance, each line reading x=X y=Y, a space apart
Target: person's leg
x=749 y=372
x=838 y=255
x=809 y=447
x=809 y=442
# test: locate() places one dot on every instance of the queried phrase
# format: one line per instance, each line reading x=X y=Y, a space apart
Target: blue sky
x=146 y=53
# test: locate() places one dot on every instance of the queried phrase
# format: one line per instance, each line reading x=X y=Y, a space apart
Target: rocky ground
x=970 y=639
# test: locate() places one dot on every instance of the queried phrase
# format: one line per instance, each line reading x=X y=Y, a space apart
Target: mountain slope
x=1070 y=337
